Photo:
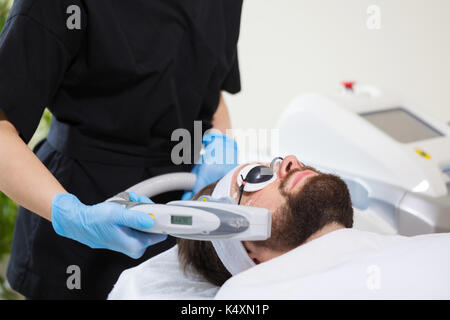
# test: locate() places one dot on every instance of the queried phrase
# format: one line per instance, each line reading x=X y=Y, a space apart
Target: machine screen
x=184 y=220
x=401 y=125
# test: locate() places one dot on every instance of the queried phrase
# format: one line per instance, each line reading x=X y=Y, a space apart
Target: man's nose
x=289 y=163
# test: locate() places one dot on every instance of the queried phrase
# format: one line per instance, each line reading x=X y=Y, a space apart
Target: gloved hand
x=133 y=196
x=220 y=156
x=106 y=225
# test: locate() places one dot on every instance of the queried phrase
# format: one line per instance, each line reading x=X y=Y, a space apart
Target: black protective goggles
x=255 y=177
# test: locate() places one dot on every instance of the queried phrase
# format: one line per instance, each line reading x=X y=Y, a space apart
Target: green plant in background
x=4 y=9
x=8 y=209
x=8 y=212
x=42 y=130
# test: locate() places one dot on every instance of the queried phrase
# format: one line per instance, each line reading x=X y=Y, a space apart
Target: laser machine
x=394 y=158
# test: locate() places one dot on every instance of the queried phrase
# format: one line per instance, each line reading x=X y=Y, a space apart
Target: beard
x=324 y=199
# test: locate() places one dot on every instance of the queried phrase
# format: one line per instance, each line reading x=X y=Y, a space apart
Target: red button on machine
x=348 y=84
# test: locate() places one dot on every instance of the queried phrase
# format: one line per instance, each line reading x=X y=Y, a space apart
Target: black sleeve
x=232 y=82
x=36 y=48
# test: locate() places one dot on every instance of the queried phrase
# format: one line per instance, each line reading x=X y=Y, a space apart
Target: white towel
x=161 y=278
x=351 y=264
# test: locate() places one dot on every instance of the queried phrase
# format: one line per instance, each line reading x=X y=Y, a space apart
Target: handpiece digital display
x=183 y=220
x=402 y=125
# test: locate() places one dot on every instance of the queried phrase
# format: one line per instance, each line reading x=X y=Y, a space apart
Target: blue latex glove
x=106 y=225
x=220 y=157
x=133 y=196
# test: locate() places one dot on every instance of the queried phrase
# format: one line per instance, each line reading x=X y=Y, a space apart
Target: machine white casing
x=256 y=223
x=331 y=134
x=202 y=221
x=209 y=218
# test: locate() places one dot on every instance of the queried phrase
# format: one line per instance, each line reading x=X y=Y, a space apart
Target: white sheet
x=351 y=264
x=161 y=278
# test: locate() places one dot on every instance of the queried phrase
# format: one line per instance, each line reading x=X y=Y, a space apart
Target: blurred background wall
x=292 y=46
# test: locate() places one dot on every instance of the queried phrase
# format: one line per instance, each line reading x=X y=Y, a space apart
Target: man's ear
x=252 y=251
x=260 y=254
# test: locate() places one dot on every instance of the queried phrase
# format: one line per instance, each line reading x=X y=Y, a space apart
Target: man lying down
x=313 y=252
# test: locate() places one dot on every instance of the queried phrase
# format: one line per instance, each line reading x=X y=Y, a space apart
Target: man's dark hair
x=325 y=199
x=201 y=255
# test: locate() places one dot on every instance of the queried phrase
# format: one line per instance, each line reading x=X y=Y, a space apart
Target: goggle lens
x=256 y=177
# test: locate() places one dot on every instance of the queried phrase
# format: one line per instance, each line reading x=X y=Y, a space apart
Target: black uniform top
x=118 y=87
